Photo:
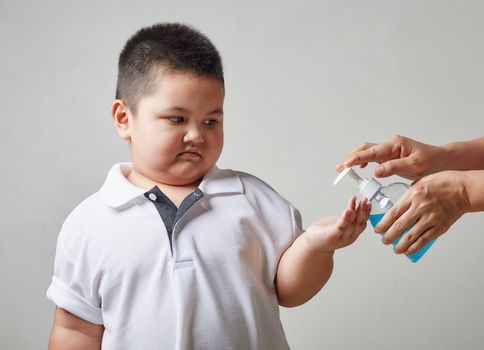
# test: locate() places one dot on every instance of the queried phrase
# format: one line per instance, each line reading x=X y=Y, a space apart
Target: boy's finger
x=344 y=220
x=362 y=211
x=352 y=206
x=352 y=203
x=361 y=217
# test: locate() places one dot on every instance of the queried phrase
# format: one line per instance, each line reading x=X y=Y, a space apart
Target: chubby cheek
x=218 y=150
x=160 y=149
x=166 y=149
x=216 y=143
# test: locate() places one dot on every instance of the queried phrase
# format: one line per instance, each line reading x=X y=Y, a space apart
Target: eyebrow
x=184 y=110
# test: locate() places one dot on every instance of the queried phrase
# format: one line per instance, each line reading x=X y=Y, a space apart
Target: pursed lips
x=192 y=152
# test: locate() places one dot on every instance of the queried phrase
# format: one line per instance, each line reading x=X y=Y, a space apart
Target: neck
x=176 y=193
x=142 y=181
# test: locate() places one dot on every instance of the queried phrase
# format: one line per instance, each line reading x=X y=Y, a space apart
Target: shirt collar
x=218 y=181
x=117 y=190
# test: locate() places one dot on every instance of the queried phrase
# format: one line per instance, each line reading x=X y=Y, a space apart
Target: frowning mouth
x=191 y=152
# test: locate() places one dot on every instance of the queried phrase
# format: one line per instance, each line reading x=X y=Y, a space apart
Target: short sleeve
x=72 y=287
x=296 y=221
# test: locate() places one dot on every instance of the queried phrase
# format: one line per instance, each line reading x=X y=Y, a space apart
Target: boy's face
x=177 y=134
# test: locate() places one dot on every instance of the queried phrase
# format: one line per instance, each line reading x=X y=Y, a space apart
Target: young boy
x=173 y=252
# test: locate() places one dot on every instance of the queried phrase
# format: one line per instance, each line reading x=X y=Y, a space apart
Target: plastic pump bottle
x=382 y=199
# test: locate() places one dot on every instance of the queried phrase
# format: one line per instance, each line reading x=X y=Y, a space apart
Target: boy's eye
x=211 y=122
x=176 y=120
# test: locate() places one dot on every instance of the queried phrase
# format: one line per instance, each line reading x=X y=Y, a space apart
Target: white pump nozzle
x=368 y=187
x=351 y=173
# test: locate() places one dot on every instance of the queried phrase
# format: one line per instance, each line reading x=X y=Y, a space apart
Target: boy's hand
x=331 y=233
x=307 y=264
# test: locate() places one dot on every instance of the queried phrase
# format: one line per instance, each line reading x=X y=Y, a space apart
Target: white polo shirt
x=213 y=288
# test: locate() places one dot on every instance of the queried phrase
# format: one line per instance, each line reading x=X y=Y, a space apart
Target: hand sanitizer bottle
x=382 y=199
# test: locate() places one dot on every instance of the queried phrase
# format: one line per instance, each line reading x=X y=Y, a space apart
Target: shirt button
x=152 y=196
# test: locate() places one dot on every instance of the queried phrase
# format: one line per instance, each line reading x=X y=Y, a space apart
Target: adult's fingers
x=361 y=147
x=411 y=236
x=426 y=237
x=375 y=153
x=399 y=226
x=400 y=167
x=395 y=212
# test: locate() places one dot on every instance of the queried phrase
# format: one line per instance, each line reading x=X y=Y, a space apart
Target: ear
x=120 y=114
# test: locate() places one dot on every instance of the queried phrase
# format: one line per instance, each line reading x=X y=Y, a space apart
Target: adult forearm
x=466 y=155
x=301 y=273
x=474 y=189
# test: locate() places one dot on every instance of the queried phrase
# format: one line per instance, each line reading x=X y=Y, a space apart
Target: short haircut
x=159 y=48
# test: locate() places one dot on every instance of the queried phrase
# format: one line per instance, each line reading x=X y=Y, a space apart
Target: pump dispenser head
x=351 y=173
x=367 y=187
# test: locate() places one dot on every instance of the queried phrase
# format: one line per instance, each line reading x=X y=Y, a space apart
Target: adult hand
x=398 y=156
x=432 y=204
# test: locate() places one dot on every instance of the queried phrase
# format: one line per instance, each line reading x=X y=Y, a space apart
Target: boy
x=173 y=252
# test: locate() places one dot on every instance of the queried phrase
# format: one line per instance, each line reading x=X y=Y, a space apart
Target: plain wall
x=306 y=82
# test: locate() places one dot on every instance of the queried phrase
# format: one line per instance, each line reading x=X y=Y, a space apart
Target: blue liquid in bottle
x=414 y=257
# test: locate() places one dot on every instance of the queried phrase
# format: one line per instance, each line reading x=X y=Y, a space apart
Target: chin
x=183 y=178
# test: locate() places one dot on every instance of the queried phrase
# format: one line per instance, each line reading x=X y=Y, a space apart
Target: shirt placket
x=172 y=217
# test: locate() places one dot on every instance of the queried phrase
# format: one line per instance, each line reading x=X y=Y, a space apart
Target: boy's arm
x=301 y=273
x=307 y=264
x=71 y=332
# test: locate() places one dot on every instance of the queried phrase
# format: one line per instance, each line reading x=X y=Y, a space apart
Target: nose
x=193 y=135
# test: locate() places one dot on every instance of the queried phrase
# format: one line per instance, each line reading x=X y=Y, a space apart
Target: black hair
x=163 y=47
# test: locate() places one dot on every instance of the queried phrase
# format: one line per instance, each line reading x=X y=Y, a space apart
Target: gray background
x=306 y=82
